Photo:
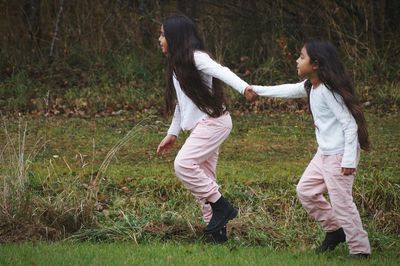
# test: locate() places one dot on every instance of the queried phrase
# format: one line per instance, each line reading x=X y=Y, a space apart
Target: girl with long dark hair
x=341 y=131
x=194 y=93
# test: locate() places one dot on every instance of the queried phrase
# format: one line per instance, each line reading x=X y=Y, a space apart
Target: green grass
x=140 y=200
x=174 y=254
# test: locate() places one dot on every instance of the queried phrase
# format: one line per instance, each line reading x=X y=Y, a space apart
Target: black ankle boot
x=332 y=239
x=223 y=211
x=360 y=256
x=219 y=236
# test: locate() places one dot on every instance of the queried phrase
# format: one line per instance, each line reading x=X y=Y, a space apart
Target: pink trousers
x=323 y=174
x=196 y=162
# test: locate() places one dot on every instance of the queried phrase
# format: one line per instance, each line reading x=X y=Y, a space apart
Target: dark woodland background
x=82 y=57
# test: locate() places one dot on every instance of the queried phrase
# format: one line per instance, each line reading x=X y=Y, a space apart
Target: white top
x=335 y=126
x=187 y=114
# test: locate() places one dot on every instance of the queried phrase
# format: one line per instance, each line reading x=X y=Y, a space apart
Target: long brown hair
x=183 y=40
x=332 y=73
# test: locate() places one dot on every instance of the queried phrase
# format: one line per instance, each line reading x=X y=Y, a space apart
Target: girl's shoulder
x=323 y=88
x=202 y=59
x=198 y=54
x=329 y=94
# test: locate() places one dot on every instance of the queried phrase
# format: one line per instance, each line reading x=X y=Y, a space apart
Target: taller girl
x=340 y=130
x=195 y=94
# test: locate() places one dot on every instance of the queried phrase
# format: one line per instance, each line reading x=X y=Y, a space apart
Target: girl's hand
x=348 y=171
x=166 y=144
x=250 y=94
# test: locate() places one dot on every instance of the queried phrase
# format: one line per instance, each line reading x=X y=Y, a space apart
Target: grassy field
x=175 y=254
x=99 y=180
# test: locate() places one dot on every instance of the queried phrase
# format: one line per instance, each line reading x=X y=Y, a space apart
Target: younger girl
x=340 y=130
x=194 y=83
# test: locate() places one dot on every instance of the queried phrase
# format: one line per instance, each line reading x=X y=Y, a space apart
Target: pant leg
x=199 y=150
x=309 y=191
x=209 y=167
x=340 y=194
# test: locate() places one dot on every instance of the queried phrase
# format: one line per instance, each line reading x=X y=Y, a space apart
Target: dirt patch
x=21 y=232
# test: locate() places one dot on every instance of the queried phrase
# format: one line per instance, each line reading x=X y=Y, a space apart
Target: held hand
x=348 y=171
x=166 y=144
x=250 y=94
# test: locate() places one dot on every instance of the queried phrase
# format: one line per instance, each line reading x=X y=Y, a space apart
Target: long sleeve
x=295 y=90
x=208 y=66
x=175 y=127
x=349 y=126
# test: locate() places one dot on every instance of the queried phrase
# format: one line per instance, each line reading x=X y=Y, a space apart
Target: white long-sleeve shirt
x=187 y=114
x=335 y=126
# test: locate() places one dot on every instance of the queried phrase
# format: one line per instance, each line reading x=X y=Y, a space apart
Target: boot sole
x=229 y=217
x=330 y=248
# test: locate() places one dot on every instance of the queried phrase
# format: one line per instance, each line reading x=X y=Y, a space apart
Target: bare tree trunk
x=32 y=19
x=56 y=29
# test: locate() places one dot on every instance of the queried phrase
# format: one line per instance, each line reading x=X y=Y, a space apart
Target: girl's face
x=163 y=41
x=304 y=66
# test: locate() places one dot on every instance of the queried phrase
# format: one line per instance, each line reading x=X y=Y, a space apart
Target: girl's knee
x=300 y=189
x=177 y=165
x=304 y=192
x=181 y=165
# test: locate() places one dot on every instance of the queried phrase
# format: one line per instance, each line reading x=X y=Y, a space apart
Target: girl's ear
x=315 y=65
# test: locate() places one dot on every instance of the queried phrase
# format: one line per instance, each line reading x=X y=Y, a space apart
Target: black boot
x=219 y=236
x=223 y=211
x=332 y=239
x=360 y=256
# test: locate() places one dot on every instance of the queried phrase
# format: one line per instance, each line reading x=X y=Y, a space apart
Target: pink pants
x=196 y=162
x=323 y=174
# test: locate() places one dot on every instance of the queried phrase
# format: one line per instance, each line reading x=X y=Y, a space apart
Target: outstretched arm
x=205 y=64
x=295 y=90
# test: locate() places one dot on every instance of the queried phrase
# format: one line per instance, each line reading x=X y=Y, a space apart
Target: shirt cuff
x=174 y=132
